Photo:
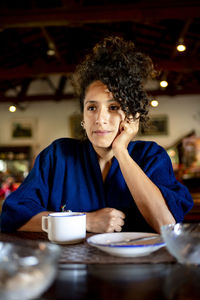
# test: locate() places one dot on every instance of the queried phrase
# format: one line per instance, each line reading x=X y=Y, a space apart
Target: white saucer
x=105 y=242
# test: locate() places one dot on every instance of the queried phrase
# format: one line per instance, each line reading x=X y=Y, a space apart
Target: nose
x=102 y=116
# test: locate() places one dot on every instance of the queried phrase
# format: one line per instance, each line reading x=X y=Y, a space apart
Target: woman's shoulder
x=146 y=148
x=63 y=146
x=66 y=141
x=146 y=145
x=148 y=153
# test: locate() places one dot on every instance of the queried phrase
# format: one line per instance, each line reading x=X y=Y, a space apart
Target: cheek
x=87 y=118
x=122 y=115
x=88 y=124
x=119 y=118
x=116 y=125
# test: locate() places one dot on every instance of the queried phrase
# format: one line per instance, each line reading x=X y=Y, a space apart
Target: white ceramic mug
x=65 y=227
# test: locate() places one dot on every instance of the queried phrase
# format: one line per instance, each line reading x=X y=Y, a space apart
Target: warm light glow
x=154 y=103
x=12 y=108
x=51 y=52
x=181 y=48
x=172 y=153
x=164 y=83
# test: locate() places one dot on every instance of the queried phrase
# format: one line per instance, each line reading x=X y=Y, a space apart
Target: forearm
x=35 y=223
x=146 y=194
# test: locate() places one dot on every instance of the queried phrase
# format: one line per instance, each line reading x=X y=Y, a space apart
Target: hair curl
x=123 y=69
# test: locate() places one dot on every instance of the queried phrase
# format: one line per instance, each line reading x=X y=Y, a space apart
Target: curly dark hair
x=123 y=69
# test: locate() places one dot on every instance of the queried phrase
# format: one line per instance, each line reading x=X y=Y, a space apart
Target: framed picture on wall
x=158 y=125
x=23 y=128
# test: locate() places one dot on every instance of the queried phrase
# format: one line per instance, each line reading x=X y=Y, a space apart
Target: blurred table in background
x=194 y=213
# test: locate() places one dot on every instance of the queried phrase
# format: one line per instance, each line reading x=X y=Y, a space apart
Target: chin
x=102 y=144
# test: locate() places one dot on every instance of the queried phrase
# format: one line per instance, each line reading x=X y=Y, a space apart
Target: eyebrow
x=94 y=101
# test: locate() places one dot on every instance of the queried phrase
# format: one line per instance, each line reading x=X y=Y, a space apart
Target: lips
x=101 y=132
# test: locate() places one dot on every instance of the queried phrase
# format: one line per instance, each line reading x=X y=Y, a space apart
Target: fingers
x=114 y=229
x=129 y=125
x=118 y=228
x=116 y=220
x=132 y=126
x=132 y=119
x=116 y=213
x=105 y=220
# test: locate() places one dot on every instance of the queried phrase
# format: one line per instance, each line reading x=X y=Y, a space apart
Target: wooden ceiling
x=28 y=29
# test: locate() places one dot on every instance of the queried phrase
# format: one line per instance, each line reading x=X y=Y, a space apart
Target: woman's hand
x=105 y=220
x=127 y=131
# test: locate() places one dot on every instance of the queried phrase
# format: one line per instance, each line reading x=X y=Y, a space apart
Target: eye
x=91 y=108
x=114 y=107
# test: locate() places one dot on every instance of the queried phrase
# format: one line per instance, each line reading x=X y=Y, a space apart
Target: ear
x=83 y=124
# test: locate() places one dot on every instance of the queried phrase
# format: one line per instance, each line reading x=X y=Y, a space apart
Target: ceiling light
x=181 y=47
x=163 y=83
x=12 y=108
x=154 y=103
x=51 y=52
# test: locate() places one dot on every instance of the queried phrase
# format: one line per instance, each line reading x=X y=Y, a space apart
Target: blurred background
x=42 y=41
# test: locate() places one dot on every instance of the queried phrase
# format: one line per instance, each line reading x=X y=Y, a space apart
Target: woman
x=121 y=184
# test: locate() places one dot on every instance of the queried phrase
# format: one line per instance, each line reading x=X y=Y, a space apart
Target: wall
x=183 y=116
x=52 y=120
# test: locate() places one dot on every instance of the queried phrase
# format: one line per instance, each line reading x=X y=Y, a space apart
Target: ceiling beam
x=99 y=14
x=24 y=87
x=61 y=86
x=182 y=65
x=42 y=69
x=53 y=97
x=38 y=70
x=32 y=98
x=173 y=92
x=51 y=43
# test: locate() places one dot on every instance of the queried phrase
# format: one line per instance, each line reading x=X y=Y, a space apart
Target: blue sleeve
x=30 y=198
x=160 y=171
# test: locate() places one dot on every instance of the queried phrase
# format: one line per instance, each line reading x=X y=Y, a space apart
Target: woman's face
x=102 y=115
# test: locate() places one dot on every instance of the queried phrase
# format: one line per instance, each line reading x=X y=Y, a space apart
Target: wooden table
x=85 y=272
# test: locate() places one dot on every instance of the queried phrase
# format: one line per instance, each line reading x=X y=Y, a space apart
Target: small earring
x=82 y=124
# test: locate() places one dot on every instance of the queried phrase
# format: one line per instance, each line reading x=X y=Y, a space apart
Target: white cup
x=65 y=227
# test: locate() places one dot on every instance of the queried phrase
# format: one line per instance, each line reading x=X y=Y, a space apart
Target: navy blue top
x=68 y=173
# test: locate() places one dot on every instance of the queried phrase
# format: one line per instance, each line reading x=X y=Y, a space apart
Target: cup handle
x=44 y=223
